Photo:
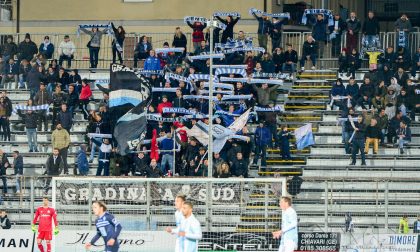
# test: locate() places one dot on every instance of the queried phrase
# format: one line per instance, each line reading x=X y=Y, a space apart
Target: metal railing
x=321 y=204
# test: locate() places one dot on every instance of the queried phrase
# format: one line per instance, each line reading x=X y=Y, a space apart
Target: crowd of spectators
x=387 y=92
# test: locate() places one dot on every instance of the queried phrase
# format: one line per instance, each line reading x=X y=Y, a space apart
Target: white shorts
x=287 y=246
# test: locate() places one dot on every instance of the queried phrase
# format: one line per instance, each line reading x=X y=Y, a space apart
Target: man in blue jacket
x=153 y=62
x=319 y=32
x=262 y=139
x=47 y=48
x=11 y=73
x=264 y=27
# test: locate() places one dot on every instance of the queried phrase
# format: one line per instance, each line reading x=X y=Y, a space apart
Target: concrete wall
x=158 y=16
x=118 y=10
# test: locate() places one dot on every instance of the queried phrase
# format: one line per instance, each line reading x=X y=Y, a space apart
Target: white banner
x=130 y=241
x=16 y=240
x=379 y=242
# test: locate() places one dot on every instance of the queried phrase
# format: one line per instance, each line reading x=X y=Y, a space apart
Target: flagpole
x=210 y=147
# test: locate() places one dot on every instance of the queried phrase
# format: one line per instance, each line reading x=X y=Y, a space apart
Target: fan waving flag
x=126 y=86
x=130 y=129
x=304 y=136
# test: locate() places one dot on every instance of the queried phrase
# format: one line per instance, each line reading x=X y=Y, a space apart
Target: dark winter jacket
x=354 y=25
x=371 y=26
x=66 y=119
x=228 y=32
x=264 y=26
x=319 y=30
x=54 y=169
x=9 y=49
x=48 y=52
x=27 y=50
x=291 y=56
x=18 y=165
x=11 y=69
x=5 y=223
x=30 y=119
x=310 y=48
x=262 y=136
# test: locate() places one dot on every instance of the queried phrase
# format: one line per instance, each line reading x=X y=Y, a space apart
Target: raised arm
x=221 y=20
x=86 y=31
x=236 y=20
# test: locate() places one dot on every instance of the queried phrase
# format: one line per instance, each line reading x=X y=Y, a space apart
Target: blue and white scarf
x=237 y=71
x=221 y=112
x=196 y=116
x=327 y=13
x=206 y=56
x=179 y=110
x=169 y=90
x=336 y=98
x=277 y=108
x=401 y=39
x=226 y=14
x=234 y=43
x=266 y=81
x=276 y=15
x=198 y=77
x=197 y=97
x=236 y=97
x=168 y=50
x=220 y=85
x=270 y=75
x=30 y=108
x=244 y=49
x=102 y=82
x=150 y=72
x=243 y=80
x=97 y=135
x=158 y=118
x=108 y=27
x=192 y=20
x=230 y=66
x=176 y=77
x=224 y=92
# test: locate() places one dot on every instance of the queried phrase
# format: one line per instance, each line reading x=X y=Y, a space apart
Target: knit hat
x=27 y=36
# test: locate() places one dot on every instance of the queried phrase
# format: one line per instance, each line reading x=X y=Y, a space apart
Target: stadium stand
x=376 y=194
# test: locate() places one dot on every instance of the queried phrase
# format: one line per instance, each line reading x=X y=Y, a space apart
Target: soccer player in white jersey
x=179 y=201
x=289 y=229
x=189 y=231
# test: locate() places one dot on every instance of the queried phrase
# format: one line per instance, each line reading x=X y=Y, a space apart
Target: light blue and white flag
x=304 y=136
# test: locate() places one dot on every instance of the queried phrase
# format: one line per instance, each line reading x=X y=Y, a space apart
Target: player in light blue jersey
x=107 y=226
x=189 y=231
x=289 y=229
x=179 y=201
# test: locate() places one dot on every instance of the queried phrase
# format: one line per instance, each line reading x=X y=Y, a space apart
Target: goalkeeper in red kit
x=44 y=215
